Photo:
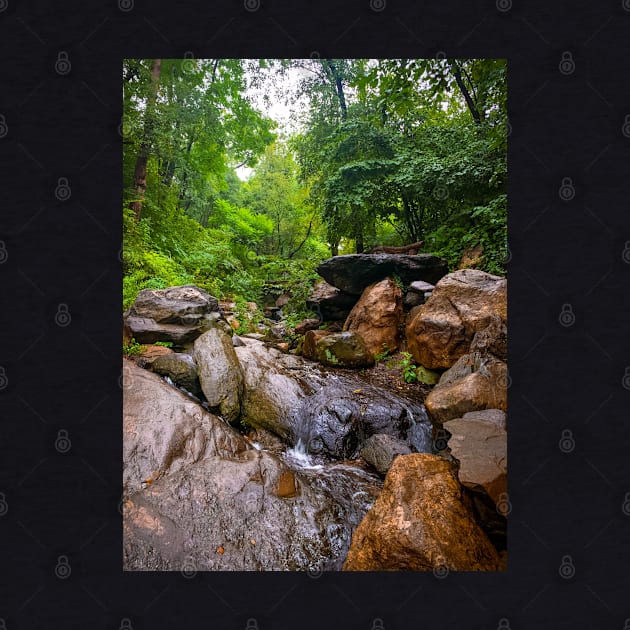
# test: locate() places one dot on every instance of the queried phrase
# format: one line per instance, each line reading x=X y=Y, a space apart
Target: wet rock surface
x=165 y=431
x=241 y=514
x=481 y=449
x=219 y=372
x=329 y=303
x=331 y=414
x=344 y=349
x=381 y=449
x=421 y=522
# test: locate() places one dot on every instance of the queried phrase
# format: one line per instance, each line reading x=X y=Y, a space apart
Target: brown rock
x=286 y=485
x=474 y=382
x=377 y=316
x=310 y=342
x=481 y=449
x=463 y=303
x=419 y=522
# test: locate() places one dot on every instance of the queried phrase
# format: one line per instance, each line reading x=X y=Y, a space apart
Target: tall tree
x=140 y=170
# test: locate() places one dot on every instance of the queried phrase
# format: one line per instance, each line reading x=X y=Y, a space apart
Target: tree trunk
x=477 y=117
x=339 y=88
x=334 y=248
x=359 y=241
x=140 y=171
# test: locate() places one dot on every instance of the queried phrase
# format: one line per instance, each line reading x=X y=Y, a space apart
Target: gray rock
x=176 y=314
x=175 y=305
x=248 y=513
x=165 y=431
x=219 y=372
x=352 y=273
x=419 y=287
x=481 y=449
x=381 y=449
x=329 y=413
x=413 y=299
x=494 y=416
x=492 y=339
x=180 y=368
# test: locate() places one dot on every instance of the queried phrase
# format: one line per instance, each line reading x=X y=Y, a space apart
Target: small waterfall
x=299 y=456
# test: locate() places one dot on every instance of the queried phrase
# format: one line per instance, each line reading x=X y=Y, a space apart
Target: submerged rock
x=421 y=522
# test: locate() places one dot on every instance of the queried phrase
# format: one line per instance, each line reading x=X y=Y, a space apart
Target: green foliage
x=132 y=348
x=164 y=344
x=390 y=152
x=330 y=357
x=408 y=368
x=383 y=354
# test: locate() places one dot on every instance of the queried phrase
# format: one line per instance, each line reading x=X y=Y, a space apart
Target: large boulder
x=421 y=522
x=219 y=372
x=463 y=303
x=246 y=513
x=344 y=349
x=377 y=316
x=180 y=368
x=481 y=449
x=176 y=314
x=474 y=382
x=329 y=303
x=352 y=273
x=381 y=449
x=164 y=430
x=329 y=414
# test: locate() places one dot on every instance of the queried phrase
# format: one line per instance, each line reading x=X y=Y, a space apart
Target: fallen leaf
x=357 y=391
x=220 y=550
x=252 y=541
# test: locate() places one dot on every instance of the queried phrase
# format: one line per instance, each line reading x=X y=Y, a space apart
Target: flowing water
x=351 y=488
